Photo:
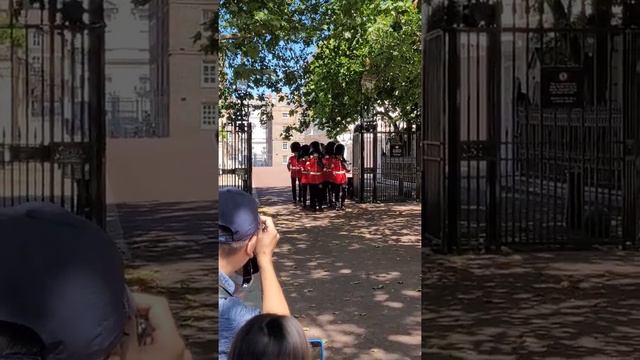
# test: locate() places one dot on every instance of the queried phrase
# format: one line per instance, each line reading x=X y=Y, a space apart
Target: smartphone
x=317 y=349
x=251 y=267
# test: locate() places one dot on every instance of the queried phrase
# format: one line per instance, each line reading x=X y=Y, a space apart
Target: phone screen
x=317 y=349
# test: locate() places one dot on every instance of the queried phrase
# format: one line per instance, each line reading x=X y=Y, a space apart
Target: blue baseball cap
x=238 y=218
x=61 y=276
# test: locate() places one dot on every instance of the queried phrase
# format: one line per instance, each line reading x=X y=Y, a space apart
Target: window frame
x=204 y=77
x=204 y=19
x=203 y=107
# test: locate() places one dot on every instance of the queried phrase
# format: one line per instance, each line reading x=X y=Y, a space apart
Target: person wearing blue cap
x=243 y=235
x=63 y=294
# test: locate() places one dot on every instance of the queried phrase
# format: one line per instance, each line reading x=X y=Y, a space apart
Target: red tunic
x=304 y=171
x=339 y=172
x=327 y=172
x=294 y=166
x=315 y=170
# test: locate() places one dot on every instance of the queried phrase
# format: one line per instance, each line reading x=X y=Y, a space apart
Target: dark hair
x=304 y=151
x=295 y=147
x=20 y=341
x=339 y=150
x=270 y=337
x=329 y=148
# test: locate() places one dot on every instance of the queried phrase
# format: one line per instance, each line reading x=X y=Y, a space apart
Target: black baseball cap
x=238 y=218
x=61 y=276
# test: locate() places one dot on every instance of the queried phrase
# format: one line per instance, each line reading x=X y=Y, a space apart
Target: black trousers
x=299 y=183
x=316 y=196
x=294 y=188
x=304 y=190
x=340 y=193
x=327 y=193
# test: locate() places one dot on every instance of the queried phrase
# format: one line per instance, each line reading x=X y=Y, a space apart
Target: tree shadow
x=578 y=304
x=351 y=278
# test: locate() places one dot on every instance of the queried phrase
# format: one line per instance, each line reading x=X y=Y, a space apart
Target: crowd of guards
x=318 y=175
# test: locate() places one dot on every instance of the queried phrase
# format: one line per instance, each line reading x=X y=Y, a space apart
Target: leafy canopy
x=368 y=59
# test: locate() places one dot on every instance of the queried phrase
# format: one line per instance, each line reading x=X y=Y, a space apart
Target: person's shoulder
x=234 y=310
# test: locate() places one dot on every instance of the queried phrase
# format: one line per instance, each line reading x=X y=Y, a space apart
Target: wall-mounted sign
x=397 y=150
x=562 y=86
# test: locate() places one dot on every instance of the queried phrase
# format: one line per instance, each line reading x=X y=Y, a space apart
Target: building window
x=208 y=116
x=36 y=60
x=35 y=64
x=285 y=159
x=285 y=115
x=208 y=77
x=36 y=39
x=285 y=146
x=207 y=15
x=36 y=109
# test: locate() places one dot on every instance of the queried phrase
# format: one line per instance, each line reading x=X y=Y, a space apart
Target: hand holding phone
x=267 y=239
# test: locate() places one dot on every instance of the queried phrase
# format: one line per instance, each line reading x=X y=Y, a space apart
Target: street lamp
x=367 y=82
x=242 y=124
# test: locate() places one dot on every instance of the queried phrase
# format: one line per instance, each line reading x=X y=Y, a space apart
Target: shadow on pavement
x=578 y=304
x=352 y=278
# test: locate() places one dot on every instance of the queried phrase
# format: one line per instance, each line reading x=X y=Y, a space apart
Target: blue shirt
x=233 y=314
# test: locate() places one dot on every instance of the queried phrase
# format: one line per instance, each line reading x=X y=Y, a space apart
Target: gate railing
x=235 y=162
x=384 y=164
x=508 y=161
x=52 y=119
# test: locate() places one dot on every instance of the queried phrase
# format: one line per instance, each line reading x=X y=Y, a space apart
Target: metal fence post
x=453 y=123
x=249 y=155
x=96 y=84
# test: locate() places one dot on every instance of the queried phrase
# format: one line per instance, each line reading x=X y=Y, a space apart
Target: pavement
x=553 y=305
x=170 y=250
x=351 y=278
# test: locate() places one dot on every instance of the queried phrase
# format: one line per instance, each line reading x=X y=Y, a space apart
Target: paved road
x=351 y=278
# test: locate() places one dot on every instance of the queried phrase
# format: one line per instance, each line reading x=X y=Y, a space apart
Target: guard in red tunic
x=294 y=170
x=340 y=168
x=327 y=188
x=316 y=176
x=303 y=157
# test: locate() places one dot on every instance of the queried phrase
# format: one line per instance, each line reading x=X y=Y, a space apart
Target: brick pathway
x=351 y=278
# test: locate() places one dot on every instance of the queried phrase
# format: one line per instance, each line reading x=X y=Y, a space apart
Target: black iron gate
x=236 y=158
x=384 y=163
x=52 y=131
x=531 y=133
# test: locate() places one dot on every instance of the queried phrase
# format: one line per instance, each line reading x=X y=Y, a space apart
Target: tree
x=377 y=39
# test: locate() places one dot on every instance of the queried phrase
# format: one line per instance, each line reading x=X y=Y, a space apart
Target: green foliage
x=265 y=42
x=379 y=40
x=12 y=34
